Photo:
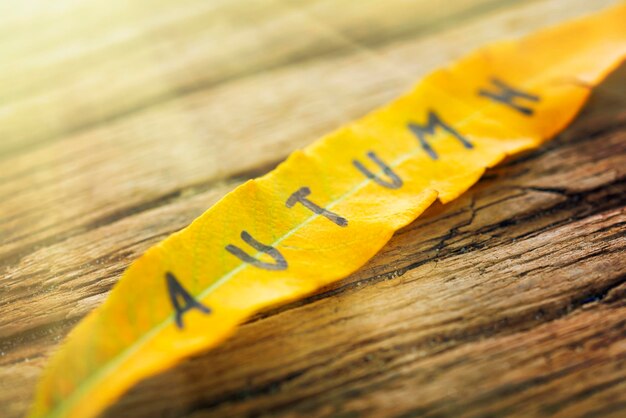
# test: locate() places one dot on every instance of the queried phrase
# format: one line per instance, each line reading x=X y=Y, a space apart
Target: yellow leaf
x=328 y=209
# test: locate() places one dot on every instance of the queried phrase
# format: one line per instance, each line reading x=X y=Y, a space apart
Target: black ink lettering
x=300 y=197
x=178 y=292
x=396 y=181
x=508 y=95
x=279 y=264
x=434 y=121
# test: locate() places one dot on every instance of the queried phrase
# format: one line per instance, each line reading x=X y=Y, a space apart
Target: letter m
x=434 y=121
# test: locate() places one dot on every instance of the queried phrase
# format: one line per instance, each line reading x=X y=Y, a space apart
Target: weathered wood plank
x=97 y=176
x=471 y=270
x=145 y=52
x=507 y=301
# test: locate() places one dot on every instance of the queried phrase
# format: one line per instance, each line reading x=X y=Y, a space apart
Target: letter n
x=510 y=97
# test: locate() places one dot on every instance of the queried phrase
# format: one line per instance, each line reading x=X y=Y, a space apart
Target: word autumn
x=500 y=92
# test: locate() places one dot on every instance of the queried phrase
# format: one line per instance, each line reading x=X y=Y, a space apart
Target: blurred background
x=110 y=106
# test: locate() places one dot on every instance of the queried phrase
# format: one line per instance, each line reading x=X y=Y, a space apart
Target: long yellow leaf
x=328 y=209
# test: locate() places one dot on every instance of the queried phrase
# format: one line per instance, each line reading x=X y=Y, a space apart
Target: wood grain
x=508 y=301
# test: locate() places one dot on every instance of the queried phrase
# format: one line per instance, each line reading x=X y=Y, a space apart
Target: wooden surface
x=121 y=124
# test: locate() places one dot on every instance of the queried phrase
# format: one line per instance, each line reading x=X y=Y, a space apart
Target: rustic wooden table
x=120 y=122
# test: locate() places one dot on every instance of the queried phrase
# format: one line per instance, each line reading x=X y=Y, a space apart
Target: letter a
x=177 y=292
